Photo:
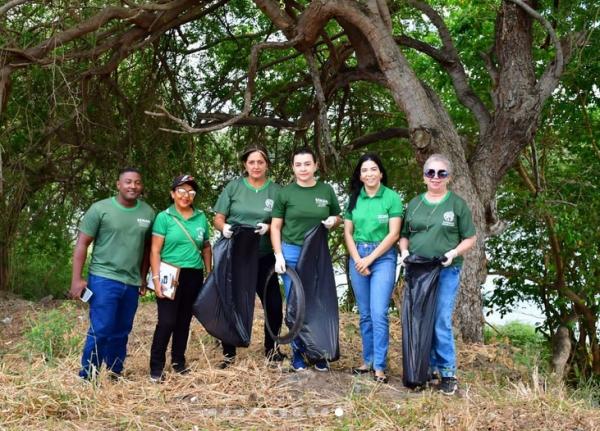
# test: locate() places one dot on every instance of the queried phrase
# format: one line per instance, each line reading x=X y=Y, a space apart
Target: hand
x=279 y=263
x=158 y=288
x=227 y=232
x=262 y=228
x=450 y=255
x=329 y=222
x=77 y=288
x=403 y=255
x=143 y=289
x=362 y=265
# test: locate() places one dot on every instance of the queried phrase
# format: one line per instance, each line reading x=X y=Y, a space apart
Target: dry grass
x=35 y=394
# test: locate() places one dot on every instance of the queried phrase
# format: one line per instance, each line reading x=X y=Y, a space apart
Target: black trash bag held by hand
x=320 y=332
x=418 y=314
x=225 y=306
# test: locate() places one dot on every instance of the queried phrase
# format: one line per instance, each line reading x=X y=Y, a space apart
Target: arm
x=387 y=242
x=276 y=225
x=78 y=284
x=155 y=248
x=219 y=221
x=403 y=245
x=351 y=244
x=145 y=266
x=207 y=257
x=465 y=245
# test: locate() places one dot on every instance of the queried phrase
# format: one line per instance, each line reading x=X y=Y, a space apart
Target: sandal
x=360 y=371
x=380 y=379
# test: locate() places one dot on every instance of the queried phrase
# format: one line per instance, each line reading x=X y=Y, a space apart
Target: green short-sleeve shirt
x=433 y=229
x=178 y=249
x=119 y=236
x=302 y=208
x=241 y=203
x=371 y=215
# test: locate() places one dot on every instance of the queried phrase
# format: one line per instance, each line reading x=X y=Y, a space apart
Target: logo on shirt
x=143 y=222
x=200 y=233
x=448 y=218
x=321 y=203
x=268 y=205
x=383 y=218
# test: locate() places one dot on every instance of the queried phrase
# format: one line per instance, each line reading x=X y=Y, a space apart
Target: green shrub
x=52 y=334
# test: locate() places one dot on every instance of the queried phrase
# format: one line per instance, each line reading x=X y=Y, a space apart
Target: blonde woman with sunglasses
x=438 y=223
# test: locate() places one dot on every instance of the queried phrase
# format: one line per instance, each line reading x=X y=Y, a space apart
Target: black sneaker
x=181 y=369
x=449 y=385
x=226 y=363
x=274 y=355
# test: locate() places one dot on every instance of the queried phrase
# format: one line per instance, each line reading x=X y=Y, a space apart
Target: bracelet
x=156 y=277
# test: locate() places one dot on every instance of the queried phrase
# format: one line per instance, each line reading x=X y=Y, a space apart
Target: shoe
x=380 y=379
x=115 y=377
x=360 y=371
x=157 y=378
x=322 y=365
x=274 y=355
x=181 y=369
x=227 y=362
x=298 y=363
x=449 y=385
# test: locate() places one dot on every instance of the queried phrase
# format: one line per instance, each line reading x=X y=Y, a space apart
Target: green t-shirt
x=435 y=228
x=177 y=249
x=241 y=203
x=119 y=236
x=302 y=208
x=371 y=215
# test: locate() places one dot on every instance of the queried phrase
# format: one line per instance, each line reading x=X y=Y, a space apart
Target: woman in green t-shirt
x=299 y=207
x=249 y=200
x=371 y=229
x=439 y=223
x=178 y=235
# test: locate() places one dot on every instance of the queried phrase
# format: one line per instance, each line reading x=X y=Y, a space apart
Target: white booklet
x=169 y=274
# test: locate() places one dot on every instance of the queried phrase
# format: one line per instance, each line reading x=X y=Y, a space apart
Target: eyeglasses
x=442 y=173
x=184 y=192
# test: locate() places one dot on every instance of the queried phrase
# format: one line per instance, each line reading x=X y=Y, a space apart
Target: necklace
x=427 y=225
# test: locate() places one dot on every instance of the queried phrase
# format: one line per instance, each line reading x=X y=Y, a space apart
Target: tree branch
x=381 y=135
x=11 y=4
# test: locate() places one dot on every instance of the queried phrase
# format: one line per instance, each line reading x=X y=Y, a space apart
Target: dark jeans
x=272 y=306
x=174 y=318
x=112 y=309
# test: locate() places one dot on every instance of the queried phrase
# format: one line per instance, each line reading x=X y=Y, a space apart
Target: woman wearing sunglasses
x=249 y=201
x=371 y=229
x=438 y=223
x=179 y=237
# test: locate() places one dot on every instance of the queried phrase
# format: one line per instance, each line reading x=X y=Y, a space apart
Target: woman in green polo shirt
x=299 y=207
x=439 y=223
x=249 y=200
x=179 y=234
x=371 y=229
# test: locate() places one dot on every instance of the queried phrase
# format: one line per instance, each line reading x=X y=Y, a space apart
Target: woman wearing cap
x=299 y=207
x=249 y=200
x=179 y=237
x=439 y=223
x=371 y=229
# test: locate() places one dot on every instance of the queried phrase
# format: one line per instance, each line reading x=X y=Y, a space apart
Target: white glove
x=403 y=255
x=279 y=263
x=227 y=232
x=262 y=228
x=329 y=221
x=450 y=255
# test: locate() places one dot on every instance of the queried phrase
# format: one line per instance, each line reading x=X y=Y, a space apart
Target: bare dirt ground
x=36 y=393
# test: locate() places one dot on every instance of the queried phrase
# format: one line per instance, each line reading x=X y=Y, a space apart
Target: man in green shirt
x=120 y=229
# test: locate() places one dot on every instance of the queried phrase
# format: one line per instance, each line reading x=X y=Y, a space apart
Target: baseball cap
x=184 y=179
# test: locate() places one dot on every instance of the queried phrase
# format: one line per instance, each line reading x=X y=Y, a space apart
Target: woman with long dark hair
x=371 y=229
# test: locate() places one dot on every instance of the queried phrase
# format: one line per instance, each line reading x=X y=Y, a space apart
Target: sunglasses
x=442 y=173
x=184 y=192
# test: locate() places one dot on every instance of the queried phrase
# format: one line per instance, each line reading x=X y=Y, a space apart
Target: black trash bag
x=418 y=313
x=225 y=306
x=320 y=332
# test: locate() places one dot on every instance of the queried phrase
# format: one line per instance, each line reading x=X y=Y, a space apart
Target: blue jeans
x=443 y=353
x=112 y=309
x=291 y=254
x=373 y=293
